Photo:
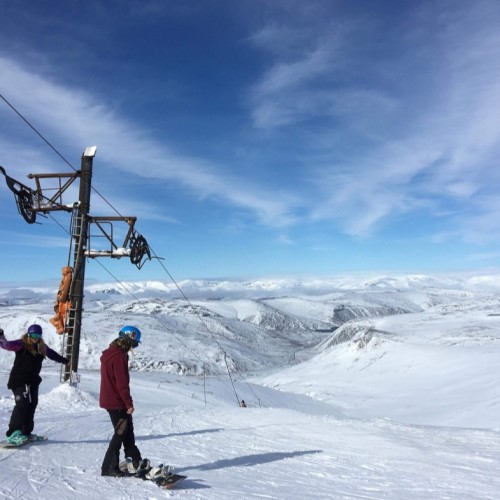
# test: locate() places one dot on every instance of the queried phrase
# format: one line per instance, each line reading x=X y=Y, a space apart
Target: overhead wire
x=36 y=131
x=204 y=323
x=158 y=318
x=163 y=323
x=32 y=127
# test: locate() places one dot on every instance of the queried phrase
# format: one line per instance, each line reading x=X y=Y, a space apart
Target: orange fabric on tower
x=62 y=303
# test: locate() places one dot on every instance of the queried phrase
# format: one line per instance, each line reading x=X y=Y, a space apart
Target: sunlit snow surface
x=357 y=388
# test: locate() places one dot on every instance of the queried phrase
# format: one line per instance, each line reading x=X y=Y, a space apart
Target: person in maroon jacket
x=116 y=399
x=25 y=379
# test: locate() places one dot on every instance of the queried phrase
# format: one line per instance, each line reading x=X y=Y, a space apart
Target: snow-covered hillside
x=358 y=387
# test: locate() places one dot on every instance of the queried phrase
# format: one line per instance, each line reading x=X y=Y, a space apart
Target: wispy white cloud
x=483 y=256
x=284 y=239
x=288 y=91
x=76 y=117
x=423 y=132
x=29 y=240
x=479 y=224
x=390 y=135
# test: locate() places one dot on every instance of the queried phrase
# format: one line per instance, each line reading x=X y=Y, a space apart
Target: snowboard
x=164 y=478
x=169 y=481
x=5 y=445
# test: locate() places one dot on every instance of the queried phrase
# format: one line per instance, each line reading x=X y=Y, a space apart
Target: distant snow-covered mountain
x=317 y=337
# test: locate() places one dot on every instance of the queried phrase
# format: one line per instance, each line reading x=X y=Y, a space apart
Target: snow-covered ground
x=361 y=388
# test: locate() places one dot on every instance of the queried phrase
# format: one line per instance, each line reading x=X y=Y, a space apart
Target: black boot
x=113 y=473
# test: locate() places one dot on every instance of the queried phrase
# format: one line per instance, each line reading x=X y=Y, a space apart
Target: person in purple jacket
x=25 y=379
x=116 y=399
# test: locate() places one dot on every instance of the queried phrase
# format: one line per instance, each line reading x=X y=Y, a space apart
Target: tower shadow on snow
x=190 y=433
x=138 y=438
x=249 y=460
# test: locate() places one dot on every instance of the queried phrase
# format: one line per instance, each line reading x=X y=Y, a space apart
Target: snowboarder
x=25 y=379
x=116 y=399
x=243 y=404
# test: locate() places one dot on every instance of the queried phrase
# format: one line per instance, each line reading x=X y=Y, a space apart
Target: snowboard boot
x=36 y=437
x=113 y=473
x=143 y=468
x=158 y=472
x=17 y=438
x=130 y=467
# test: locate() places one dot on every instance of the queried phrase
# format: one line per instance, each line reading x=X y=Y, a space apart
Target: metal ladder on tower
x=67 y=373
x=67 y=345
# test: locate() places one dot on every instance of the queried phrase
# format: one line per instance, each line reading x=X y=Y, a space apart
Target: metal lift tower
x=42 y=200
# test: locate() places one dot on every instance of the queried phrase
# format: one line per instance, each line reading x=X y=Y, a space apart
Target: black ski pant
x=23 y=414
x=123 y=434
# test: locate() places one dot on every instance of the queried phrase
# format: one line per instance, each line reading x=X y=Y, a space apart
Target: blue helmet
x=132 y=332
x=37 y=329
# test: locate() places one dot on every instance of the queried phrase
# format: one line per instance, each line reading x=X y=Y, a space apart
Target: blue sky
x=259 y=138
